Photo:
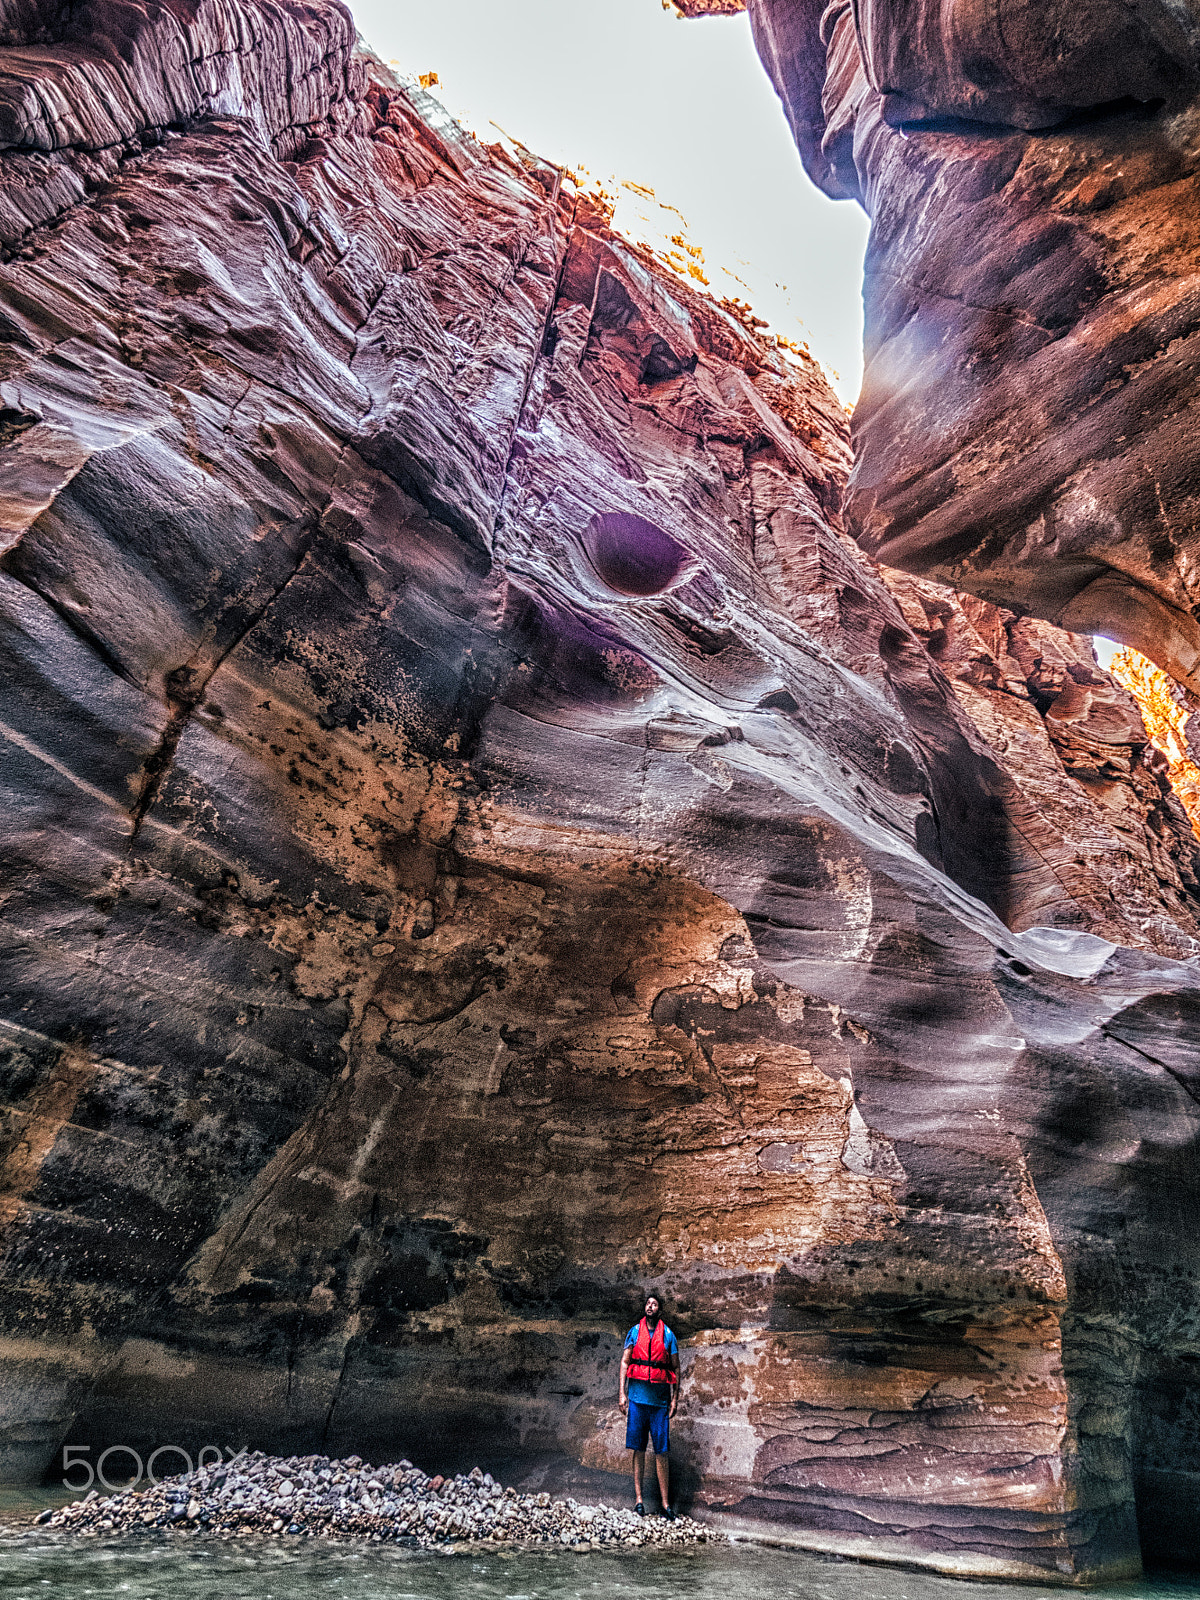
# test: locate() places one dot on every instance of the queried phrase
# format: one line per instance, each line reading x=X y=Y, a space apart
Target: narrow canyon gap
x=481 y=838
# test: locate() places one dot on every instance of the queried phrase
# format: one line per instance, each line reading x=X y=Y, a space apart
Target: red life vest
x=649 y=1362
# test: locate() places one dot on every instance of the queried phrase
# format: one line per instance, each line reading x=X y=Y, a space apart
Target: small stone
x=347 y=1501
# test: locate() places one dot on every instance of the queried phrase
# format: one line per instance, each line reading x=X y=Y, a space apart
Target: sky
x=634 y=94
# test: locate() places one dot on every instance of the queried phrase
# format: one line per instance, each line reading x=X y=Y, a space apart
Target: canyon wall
x=480 y=840
x=1026 y=430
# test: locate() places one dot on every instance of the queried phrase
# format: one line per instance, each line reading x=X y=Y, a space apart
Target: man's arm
x=675 y=1386
x=623 y=1402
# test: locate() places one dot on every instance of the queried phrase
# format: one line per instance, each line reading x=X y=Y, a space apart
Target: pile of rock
x=314 y=1497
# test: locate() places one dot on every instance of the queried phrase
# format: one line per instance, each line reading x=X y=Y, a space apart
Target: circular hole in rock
x=632 y=555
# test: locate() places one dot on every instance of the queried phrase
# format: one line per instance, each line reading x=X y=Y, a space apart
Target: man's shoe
x=640 y=1509
x=668 y=1513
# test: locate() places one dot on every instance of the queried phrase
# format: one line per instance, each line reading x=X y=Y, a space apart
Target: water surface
x=37 y=1566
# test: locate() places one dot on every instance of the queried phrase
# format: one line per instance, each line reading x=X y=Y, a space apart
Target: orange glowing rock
x=1166 y=720
x=704 y=8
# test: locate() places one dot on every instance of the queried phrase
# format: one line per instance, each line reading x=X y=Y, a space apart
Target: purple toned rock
x=480 y=840
x=1024 y=431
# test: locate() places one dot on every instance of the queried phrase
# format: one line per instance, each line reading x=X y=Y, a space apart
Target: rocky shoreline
x=315 y=1497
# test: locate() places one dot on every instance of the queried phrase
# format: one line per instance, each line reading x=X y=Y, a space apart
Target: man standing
x=649 y=1394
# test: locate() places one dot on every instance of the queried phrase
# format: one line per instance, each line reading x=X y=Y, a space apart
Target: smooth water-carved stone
x=1025 y=427
x=631 y=555
x=427 y=922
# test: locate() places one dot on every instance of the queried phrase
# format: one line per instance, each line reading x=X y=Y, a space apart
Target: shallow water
x=36 y=1567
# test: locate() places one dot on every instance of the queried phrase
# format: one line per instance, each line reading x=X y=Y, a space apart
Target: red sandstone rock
x=708 y=8
x=1101 y=812
x=480 y=839
x=1024 y=431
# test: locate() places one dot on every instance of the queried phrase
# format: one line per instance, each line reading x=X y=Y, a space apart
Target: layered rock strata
x=480 y=839
x=1106 y=819
x=1026 y=429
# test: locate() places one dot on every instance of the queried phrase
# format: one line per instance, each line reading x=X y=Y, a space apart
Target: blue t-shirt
x=651 y=1394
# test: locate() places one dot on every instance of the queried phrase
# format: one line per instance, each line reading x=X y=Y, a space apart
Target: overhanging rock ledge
x=480 y=838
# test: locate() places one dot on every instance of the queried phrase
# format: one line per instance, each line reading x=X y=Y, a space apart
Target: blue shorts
x=648 y=1422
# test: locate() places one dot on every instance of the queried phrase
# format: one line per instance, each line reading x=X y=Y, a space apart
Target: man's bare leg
x=639 y=1461
x=660 y=1466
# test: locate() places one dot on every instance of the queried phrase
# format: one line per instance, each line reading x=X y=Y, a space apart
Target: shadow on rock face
x=631 y=555
x=1024 y=430
x=1011 y=64
x=481 y=841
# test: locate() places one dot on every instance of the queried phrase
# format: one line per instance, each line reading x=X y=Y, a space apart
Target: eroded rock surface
x=1103 y=815
x=1026 y=429
x=481 y=839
